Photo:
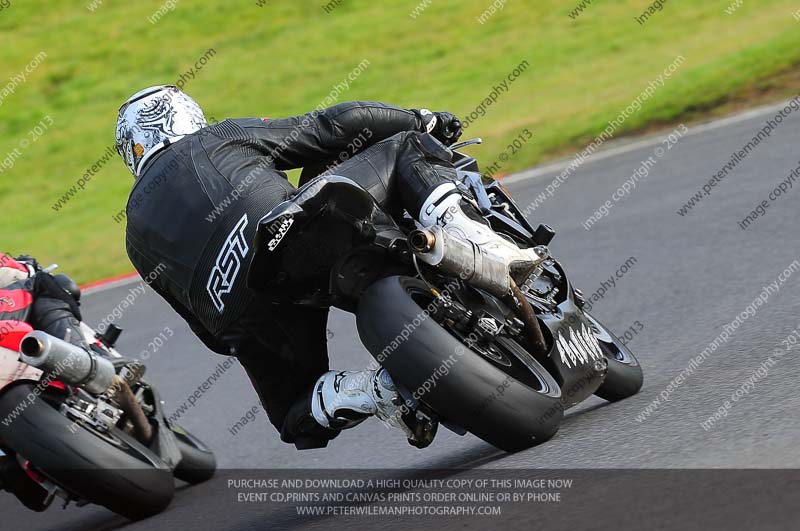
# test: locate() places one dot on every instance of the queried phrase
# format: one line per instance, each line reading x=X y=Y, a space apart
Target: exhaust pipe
x=67 y=362
x=484 y=270
x=471 y=263
x=422 y=240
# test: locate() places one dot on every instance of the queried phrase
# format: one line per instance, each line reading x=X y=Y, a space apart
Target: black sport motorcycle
x=497 y=357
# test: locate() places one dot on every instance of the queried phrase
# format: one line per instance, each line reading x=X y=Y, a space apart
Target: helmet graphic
x=152 y=119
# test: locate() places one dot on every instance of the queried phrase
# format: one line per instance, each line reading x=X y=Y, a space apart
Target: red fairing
x=14 y=300
x=8 y=261
x=12 y=332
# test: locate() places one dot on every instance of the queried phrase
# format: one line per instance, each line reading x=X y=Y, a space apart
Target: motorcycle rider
x=198 y=193
x=49 y=303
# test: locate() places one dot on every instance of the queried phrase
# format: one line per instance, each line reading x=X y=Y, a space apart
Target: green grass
x=284 y=58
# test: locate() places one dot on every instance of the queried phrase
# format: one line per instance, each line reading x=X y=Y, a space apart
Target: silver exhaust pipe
x=490 y=271
x=461 y=258
x=422 y=240
x=66 y=362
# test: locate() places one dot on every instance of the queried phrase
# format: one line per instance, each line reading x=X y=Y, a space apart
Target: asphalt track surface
x=692 y=275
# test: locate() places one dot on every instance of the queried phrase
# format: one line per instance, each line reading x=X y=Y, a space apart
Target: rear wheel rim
x=110 y=437
x=504 y=352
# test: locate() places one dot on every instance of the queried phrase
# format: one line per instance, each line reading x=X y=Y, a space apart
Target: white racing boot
x=343 y=399
x=445 y=207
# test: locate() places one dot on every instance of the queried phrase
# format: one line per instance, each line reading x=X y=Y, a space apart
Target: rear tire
x=198 y=463
x=468 y=390
x=624 y=377
x=122 y=476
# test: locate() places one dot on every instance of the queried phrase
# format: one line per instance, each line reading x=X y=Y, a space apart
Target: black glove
x=444 y=126
x=30 y=262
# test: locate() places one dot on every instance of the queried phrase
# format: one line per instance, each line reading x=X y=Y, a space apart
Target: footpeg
x=423 y=428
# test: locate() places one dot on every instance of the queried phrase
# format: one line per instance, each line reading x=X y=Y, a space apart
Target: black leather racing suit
x=193 y=212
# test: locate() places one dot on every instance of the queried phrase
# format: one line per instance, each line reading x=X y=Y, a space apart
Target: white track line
x=628 y=146
x=111 y=285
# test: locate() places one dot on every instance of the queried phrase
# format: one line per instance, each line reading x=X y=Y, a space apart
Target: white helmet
x=152 y=119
